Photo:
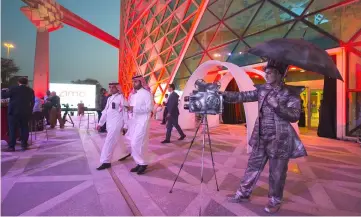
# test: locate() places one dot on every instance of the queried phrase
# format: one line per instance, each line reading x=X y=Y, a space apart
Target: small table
x=89 y=114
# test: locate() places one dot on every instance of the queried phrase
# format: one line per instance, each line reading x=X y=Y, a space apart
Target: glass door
x=311 y=103
x=315 y=101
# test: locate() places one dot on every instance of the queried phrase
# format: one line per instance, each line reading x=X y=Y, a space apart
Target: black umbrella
x=300 y=53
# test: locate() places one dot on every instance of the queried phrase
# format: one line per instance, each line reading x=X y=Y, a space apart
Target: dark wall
x=328 y=111
x=233 y=113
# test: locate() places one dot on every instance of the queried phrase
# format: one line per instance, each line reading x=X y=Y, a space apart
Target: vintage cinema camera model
x=206 y=99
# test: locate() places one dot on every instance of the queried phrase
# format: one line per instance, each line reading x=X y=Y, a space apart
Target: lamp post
x=9 y=46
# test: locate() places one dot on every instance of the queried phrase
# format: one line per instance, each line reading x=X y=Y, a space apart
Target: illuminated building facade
x=167 y=40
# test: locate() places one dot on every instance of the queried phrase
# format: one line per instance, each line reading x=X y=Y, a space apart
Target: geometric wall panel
x=167 y=40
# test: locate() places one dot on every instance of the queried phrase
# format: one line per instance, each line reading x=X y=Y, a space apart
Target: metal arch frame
x=41 y=60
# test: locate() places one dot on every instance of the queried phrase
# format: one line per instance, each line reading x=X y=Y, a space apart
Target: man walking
x=55 y=112
x=115 y=116
x=47 y=106
x=165 y=113
x=101 y=106
x=172 y=116
x=273 y=136
x=140 y=109
x=19 y=111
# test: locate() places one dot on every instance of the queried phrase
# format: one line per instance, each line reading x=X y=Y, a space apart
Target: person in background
x=55 y=112
x=165 y=112
x=173 y=114
x=81 y=108
x=47 y=95
x=37 y=105
x=102 y=102
x=302 y=121
x=19 y=112
x=38 y=115
x=47 y=106
x=140 y=109
x=159 y=109
x=116 y=117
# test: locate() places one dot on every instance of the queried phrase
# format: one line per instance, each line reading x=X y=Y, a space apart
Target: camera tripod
x=205 y=130
x=65 y=120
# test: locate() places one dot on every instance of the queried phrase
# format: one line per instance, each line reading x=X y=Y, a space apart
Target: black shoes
x=123 y=158
x=108 y=165
x=139 y=169
x=168 y=141
x=104 y=166
x=9 y=149
x=135 y=169
x=142 y=169
x=182 y=137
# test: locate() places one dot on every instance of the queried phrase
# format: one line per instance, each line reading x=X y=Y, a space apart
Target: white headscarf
x=117 y=85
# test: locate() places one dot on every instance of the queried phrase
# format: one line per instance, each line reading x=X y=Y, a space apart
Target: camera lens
x=186 y=99
x=196 y=106
x=186 y=106
x=213 y=101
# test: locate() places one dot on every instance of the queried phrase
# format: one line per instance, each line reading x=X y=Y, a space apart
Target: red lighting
x=358 y=76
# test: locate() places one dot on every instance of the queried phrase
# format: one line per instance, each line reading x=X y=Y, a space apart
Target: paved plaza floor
x=58 y=177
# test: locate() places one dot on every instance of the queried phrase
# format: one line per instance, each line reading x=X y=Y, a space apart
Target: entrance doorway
x=311 y=103
x=311 y=98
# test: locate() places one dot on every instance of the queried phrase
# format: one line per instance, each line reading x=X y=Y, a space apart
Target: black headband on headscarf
x=135 y=77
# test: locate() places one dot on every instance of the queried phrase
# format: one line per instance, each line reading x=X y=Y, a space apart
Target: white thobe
x=139 y=122
x=116 y=119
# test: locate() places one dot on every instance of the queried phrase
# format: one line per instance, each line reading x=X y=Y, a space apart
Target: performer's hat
x=281 y=67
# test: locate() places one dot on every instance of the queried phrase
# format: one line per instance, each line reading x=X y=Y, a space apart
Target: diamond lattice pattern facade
x=167 y=40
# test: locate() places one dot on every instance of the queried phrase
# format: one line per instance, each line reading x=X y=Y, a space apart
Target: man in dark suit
x=19 y=111
x=173 y=113
x=165 y=112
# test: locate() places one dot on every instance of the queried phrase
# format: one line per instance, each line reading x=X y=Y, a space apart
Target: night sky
x=73 y=54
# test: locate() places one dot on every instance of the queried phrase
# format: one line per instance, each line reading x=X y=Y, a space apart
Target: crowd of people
x=132 y=118
x=273 y=138
x=27 y=111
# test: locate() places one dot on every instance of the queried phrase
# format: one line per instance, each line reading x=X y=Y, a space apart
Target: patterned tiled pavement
x=58 y=177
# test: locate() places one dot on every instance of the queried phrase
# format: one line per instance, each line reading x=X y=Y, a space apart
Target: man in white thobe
x=116 y=117
x=140 y=109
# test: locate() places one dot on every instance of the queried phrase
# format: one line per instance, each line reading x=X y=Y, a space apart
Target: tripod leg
x=185 y=157
x=210 y=147
x=204 y=124
x=71 y=120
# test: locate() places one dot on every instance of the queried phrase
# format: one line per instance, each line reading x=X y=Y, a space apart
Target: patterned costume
x=273 y=137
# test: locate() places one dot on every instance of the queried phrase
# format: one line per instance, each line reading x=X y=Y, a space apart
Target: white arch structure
x=244 y=83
